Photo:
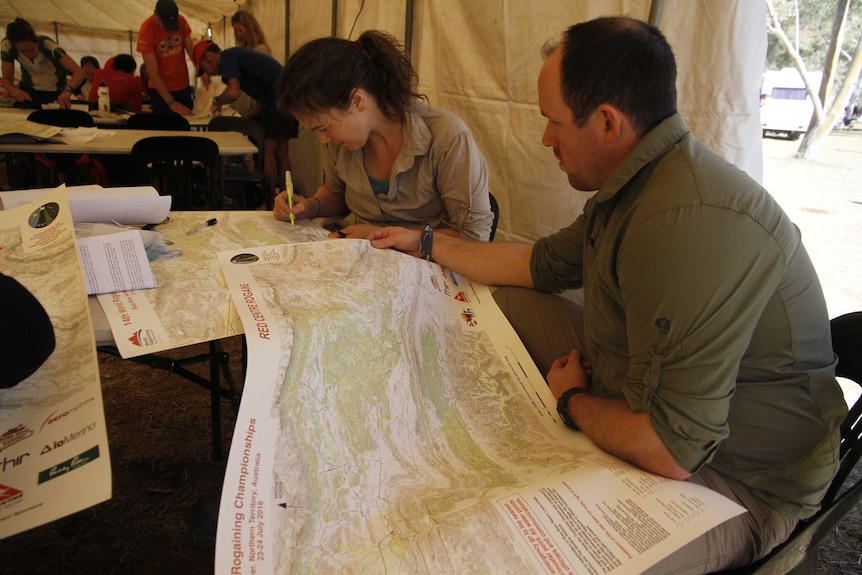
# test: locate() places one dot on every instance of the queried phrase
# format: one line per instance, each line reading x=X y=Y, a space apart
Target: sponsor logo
x=461 y=296
x=144 y=338
x=170 y=44
x=12 y=462
x=55 y=416
x=9 y=494
x=14 y=435
x=68 y=438
x=469 y=317
x=69 y=465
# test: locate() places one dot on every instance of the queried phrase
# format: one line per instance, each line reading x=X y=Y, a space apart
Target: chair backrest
x=495 y=209
x=251 y=129
x=184 y=167
x=63 y=118
x=237 y=172
x=148 y=121
x=847 y=344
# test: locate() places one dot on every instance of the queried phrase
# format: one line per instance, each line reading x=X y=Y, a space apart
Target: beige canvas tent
x=480 y=58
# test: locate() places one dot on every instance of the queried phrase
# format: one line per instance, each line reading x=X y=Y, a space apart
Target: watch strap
x=426 y=241
x=563 y=406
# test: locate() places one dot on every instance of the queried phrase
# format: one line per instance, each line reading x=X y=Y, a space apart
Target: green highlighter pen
x=288 y=188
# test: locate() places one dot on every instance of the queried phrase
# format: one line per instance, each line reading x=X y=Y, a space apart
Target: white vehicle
x=785 y=105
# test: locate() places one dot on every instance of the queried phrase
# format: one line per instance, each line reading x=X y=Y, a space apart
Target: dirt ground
x=160 y=435
x=824 y=198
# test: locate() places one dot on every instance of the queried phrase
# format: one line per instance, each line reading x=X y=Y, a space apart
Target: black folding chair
x=251 y=180
x=62 y=118
x=51 y=170
x=184 y=167
x=147 y=121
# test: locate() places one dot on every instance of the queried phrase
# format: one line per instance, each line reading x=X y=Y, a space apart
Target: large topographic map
x=54 y=457
x=391 y=422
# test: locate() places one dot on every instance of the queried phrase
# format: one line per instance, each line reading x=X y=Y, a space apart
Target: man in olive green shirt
x=704 y=326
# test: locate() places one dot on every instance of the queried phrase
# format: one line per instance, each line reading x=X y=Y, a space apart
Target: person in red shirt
x=161 y=41
x=124 y=87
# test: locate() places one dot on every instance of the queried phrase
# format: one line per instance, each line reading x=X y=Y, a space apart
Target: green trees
x=823 y=35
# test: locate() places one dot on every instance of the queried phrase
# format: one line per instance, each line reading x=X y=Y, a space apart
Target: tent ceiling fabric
x=114 y=15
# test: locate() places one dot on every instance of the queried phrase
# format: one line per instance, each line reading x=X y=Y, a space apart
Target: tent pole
x=56 y=33
x=286 y=29
x=334 y=29
x=130 y=43
x=408 y=29
x=655 y=12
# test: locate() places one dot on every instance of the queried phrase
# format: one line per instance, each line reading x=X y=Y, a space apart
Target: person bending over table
x=163 y=40
x=44 y=67
x=388 y=157
x=704 y=327
x=256 y=74
x=124 y=88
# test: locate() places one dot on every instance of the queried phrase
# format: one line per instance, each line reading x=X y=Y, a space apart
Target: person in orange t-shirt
x=161 y=41
x=124 y=87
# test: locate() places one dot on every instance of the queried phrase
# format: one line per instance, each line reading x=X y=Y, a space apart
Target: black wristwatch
x=563 y=406
x=426 y=240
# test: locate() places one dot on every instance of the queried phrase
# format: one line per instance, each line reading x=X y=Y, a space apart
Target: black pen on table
x=206 y=224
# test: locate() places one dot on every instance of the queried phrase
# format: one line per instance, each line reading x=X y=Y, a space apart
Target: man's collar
x=654 y=143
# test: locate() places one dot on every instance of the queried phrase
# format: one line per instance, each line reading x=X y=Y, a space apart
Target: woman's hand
x=65 y=99
x=303 y=208
x=401 y=239
x=20 y=95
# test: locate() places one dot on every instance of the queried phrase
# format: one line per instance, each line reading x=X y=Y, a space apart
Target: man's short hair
x=90 y=60
x=125 y=63
x=622 y=62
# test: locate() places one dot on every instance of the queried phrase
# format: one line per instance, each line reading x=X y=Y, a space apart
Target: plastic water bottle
x=104 y=99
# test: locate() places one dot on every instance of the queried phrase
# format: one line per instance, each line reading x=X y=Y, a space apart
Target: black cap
x=169 y=14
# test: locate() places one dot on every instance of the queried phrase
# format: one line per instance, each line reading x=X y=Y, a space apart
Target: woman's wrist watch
x=171 y=102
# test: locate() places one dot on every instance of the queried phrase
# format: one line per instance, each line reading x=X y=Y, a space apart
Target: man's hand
x=401 y=239
x=567 y=372
x=179 y=108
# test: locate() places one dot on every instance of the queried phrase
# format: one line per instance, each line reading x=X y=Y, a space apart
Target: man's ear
x=614 y=123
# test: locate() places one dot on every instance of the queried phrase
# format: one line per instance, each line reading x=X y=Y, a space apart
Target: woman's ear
x=358 y=99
